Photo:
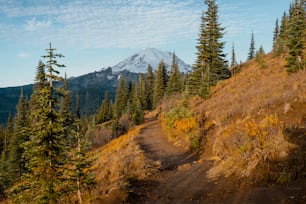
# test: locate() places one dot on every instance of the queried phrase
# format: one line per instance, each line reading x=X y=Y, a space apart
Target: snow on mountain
x=138 y=63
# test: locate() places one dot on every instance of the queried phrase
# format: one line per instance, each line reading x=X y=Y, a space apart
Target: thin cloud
x=102 y=24
x=23 y=55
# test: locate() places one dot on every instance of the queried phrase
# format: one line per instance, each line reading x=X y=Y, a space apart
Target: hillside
x=257 y=122
x=254 y=126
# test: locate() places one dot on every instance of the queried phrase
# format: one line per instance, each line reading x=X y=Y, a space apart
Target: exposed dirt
x=182 y=179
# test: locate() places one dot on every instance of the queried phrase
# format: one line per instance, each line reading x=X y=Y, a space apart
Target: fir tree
x=17 y=163
x=5 y=176
x=276 y=36
x=296 y=38
x=46 y=150
x=66 y=114
x=141 y=91
x=134 y=109
x=149 y=87
x=260 y=57
x=81 y=179
x=174 y=83
x=251 y=54
x=39 y=84
x=283 y=34
x=211 y=64
x=160 y=83
x=103 y=114
x=233 y=58
x=120 y=99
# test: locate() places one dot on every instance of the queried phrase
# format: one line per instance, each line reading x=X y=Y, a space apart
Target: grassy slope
x=118 y=162
x=256 y=123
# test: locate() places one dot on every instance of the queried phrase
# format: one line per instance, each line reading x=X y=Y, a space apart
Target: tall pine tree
x=296 y=37
x=46 y=150
x=21 y=135
x=104 y=113
x=233 y=57
x=160 y=84
x=251 y=53
x=149 y=87
x=211 y=64
x=120 y=99
x=174 y=83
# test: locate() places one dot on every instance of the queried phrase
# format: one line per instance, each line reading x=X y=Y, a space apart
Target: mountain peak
x=138 y=63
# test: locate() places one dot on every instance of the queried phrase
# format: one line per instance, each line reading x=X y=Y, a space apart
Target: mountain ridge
x=91 y=86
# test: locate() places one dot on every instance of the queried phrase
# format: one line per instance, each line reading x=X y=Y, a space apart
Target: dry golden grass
x=118 y=162
x=238 y=111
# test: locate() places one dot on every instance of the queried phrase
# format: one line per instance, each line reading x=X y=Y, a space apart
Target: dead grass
x=241 y=105
x=118 y=162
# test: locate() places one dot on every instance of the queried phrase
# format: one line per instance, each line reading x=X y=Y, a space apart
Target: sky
x=95 y=34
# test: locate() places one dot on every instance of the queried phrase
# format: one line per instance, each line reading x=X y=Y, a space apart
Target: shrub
x=180 y=125
x=250 y=148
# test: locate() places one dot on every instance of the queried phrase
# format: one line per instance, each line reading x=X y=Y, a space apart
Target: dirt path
x=182 y=179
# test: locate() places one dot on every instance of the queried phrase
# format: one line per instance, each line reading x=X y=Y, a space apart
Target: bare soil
x=182 y=179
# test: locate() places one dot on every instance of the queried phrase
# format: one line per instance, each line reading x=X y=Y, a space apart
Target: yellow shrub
x=185 y=125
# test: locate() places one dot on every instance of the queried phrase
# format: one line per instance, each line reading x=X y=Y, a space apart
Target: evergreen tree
x=160 y=83
x=134 y=109
x=5 y=176
x=251 y=54
x=296 y=38
x=81 y=179
x=276 y=35
x=103 y=114
x=141 y=91
x=66 y=114
x=260 y=57
x=17 y=163
x=211 y=64
x=120 y=99
x=46 y=150
x=39 y=84
x=233 y=58
x=174 y=83
x=283 y=34
x=149 y=87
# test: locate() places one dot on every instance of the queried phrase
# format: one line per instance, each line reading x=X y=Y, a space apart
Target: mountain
x=91 y=87
x=138 y=63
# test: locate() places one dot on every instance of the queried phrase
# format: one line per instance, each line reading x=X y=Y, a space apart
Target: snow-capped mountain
x=138 y=63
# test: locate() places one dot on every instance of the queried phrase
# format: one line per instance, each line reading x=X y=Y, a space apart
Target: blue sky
x=93 y=34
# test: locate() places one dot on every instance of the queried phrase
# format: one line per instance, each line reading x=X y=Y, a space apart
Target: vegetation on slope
x=258 y=119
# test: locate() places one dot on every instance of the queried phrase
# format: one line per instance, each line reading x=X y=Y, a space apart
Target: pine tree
x=149 y=87
x=283 y=34
x=251 y=54
x=174 y=83
x=160 y=83
x=296 y=38
x=81 y=179
x=260 y=57
x=46 y=150
x=141 y=91
x=17 y=163
x=120 y=99
x=211 y=65
x=66 y=114
x=233 y=58
x=5 y=176
x=276 y=36
x=39 y=84
x=103 y=114
x=134 y=109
